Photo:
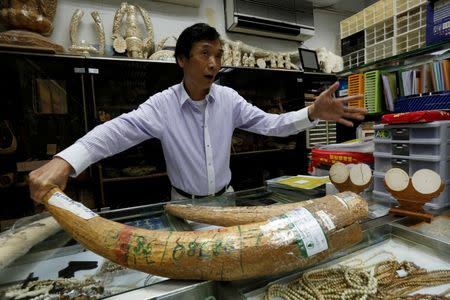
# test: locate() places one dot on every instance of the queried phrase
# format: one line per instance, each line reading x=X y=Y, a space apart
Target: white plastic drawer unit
x=429 y=141
x=439 y=130
x=407 y=148
x=412 y=147
x=410 y=164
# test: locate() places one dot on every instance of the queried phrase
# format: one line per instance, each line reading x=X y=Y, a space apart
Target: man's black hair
x=195 y=33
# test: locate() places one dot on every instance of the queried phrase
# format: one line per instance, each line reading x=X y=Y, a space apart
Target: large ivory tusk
x=100 y=32
x=74 y=23
x=238 y=215
x=20 y=241
x=231 y=253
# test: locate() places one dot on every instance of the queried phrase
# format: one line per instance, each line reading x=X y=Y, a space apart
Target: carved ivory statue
x=236 y=55
x=251 y=60
x=132 y=42
x=83 y=47
x=227 y=55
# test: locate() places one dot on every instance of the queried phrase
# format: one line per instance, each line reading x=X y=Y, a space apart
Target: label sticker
x=326 y=219
x=309 y=235
x=62 y=201
x=347 y=198
x=297 y=226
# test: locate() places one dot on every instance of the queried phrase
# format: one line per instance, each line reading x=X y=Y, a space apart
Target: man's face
x=203 y=64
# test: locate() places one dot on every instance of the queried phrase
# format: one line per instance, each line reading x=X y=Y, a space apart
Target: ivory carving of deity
x=131 y=42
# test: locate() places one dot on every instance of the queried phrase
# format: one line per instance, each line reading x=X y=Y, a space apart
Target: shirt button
x=207 y=145
x=209 y=164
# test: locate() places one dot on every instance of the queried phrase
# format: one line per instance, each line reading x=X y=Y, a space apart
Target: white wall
x=170 y=19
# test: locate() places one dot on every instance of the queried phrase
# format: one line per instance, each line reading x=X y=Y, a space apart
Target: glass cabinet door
x=255 y=158
x=43 y=112
x=138 y=175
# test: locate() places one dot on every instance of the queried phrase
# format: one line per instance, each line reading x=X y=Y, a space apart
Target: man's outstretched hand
x=327 y=107
x=55 y=173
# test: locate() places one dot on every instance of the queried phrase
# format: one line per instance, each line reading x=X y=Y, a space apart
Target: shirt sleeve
x=117 y=135
x=251 y=118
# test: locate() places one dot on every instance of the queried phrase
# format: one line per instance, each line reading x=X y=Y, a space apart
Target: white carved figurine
x=273 y=61
x=245 y=60
x=236 y=55
x=227 y=58
x=251 y=60
x=329 y=61
x=261 y=63
x=289 y=64
x=280 y=61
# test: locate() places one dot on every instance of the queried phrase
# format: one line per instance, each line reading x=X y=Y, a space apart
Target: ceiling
x=348 y=6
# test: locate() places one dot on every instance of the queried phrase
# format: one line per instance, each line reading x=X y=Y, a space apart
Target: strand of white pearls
x=380 y=281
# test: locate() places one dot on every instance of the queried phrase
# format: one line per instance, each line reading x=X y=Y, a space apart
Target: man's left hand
x=328 y=108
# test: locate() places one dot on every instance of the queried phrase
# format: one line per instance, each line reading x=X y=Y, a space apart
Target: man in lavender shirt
x=194 y=121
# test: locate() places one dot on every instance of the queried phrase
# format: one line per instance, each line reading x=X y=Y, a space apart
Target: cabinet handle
x=79 y=70
x=94 y=101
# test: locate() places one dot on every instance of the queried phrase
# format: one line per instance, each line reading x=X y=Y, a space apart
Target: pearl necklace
x=388 y=279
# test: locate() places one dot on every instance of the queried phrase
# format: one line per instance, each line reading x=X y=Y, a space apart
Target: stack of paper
x=303 y=182
x=363 y=146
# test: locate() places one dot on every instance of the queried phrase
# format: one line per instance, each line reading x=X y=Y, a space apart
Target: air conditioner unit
x=289 y=19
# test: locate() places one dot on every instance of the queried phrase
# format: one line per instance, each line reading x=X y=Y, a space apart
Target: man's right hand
x=55 y=173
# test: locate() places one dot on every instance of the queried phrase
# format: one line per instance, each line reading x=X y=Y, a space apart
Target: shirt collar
x=210 y=97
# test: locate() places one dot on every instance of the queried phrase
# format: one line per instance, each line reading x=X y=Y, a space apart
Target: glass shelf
x=130 y=178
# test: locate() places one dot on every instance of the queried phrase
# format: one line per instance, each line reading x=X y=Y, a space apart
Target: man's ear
x=181 y=60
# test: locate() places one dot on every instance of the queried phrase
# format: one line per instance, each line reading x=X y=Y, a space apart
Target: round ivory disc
x=426 y=181
x=360 y=174
x=396 y=179
x=339 y=172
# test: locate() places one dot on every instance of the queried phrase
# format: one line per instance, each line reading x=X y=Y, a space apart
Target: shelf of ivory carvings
x=236 y=53
x=128 y=39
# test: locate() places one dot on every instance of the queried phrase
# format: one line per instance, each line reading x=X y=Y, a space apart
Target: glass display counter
x=59 y=256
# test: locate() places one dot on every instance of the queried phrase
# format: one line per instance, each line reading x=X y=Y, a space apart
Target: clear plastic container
x=404 y=5
x=379 y=32
x=380 y=50
x=411 y=29
x=413 y=147
x=354 y=59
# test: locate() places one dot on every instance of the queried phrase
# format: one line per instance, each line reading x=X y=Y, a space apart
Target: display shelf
x=226 y=69
x=130 y=178
x=257 y=152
